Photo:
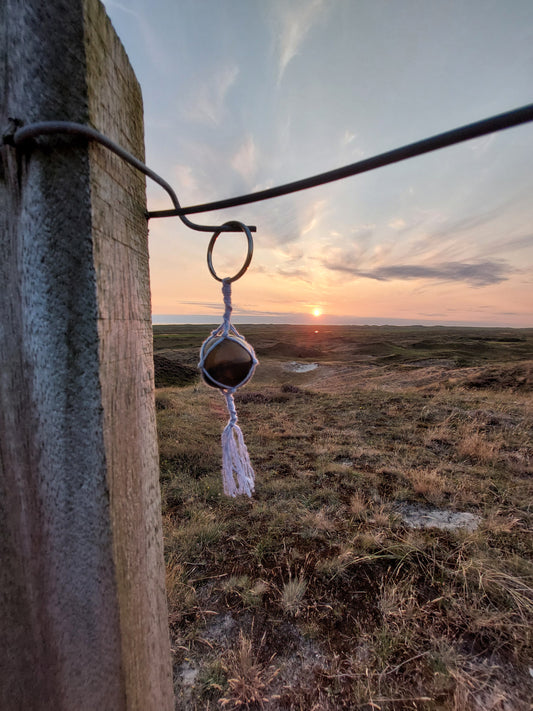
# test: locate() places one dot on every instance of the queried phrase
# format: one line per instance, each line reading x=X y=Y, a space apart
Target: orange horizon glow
x=264 y=294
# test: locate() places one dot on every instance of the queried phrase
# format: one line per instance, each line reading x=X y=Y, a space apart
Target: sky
x=241 y=95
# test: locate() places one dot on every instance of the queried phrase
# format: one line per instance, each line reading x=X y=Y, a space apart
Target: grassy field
x=318 y=593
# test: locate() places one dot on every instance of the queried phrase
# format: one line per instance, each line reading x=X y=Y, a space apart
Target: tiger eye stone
x=229 y=363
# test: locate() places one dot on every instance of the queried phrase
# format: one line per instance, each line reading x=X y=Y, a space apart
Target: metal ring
x=248 y=259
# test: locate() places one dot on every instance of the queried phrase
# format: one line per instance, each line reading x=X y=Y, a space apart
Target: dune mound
x=516 y=376
x=170 y=372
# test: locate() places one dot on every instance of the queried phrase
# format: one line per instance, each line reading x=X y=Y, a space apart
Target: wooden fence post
x=83 y=619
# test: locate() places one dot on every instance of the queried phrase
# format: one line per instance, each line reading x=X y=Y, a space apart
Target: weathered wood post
x=83 y=622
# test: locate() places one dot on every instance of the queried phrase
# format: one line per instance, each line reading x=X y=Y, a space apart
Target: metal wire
x=441 y=140
x=499 y=122
x=79 y=129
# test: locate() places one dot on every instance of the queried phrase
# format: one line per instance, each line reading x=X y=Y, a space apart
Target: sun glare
x=317 y=312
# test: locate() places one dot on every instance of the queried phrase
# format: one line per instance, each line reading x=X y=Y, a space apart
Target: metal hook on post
x=42 y=128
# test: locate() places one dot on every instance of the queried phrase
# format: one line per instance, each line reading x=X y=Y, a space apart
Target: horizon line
x=299 y=320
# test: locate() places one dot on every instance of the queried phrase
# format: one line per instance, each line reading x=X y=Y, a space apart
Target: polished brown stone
x=229 y=363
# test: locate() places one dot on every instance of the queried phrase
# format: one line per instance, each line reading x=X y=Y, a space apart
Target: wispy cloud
x=252 y=310
x=482 y=145
x=293 y=23
x=246 y=159
x=470 y=222
x=312 y=216
x=429 y=247
x=507 y=245
x=475 y=274
x=205 y=103
x=210 y=305
x=149 y=37
x=301 y=274
x=348 y=138
x=398 y=223
x=185 y=179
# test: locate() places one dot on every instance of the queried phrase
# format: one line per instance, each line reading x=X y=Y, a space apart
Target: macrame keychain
x=227 y=361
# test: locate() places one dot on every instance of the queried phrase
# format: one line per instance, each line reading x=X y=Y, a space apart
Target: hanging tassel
x=237 y=472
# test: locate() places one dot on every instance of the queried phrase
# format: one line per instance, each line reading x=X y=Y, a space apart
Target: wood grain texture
x=126 y=366
x=83 y=614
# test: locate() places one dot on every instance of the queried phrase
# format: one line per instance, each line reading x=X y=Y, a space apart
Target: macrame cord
x=237 y=471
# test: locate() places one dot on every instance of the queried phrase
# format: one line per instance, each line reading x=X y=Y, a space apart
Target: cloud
x=211 y=305
x=475 y=274
x=471 y=239
x=280 y=223
x=481 y=145
x=245 y=160
x=185 y=179
x=291 y=252
x=502 y=244
x=312 y=215
x=294 y=273
x=522 y=242
x=294 y=23
x=464 y=224
x=364 y=232
x=152 y=43
x=398 y=224
x=348 y=138
x=206 y=103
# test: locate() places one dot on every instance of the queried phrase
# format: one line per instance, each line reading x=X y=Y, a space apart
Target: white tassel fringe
x=237 y=472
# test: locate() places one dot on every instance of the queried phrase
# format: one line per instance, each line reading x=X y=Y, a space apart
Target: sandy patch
x=421 y=517
x=186 y=675
x=294 y=366
x=431 y=362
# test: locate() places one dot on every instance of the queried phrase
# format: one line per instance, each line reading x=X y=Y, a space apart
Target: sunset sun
x=317 y=312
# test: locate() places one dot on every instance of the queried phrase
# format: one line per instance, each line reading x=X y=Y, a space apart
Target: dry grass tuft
x=248 y=678
x=429 y=483
x=321 y=520
x=181 y=595
x=292 y=596
x=475 y=445
x=358 y=505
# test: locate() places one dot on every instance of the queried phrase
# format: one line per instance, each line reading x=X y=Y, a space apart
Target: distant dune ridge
x=289 y=350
